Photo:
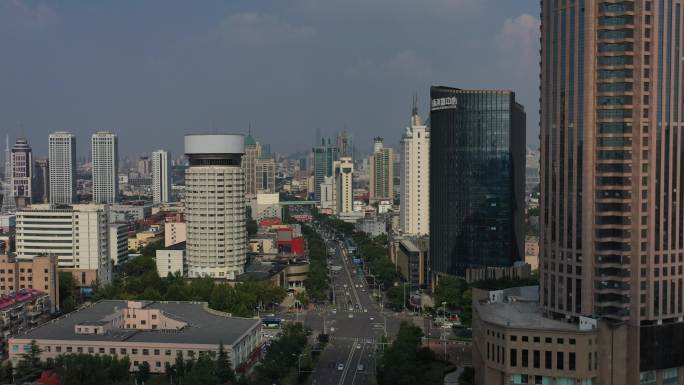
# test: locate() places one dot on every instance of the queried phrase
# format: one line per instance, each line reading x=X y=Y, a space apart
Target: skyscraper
x=323 y=158
x=105 y=153
x=344 y=170
x=41 y=181
x=215 y=205
x=381 y=172
x=62 y=158
x=415 y=177
x=22 y=171
x=8 y=202
x=611 y=218
x=344 y=144
x=252 y=151
x=161 y=176
x=264 y=171
x=477 y=180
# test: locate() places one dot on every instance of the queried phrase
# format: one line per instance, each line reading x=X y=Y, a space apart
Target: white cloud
x=518 y=41
x=253 y=29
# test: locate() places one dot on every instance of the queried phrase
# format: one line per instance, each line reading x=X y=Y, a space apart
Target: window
x=571 y=361
x=547 y=360
x=524 y=358
x=514 y=357
x=536 y=359
x=559 y=360
x=146 y=352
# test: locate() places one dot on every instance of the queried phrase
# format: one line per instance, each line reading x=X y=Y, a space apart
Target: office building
x=62 y=158
x=118 y=242
x=477 y=174
x=328 y=201
x=22 y=171
x=344 y=171
x=215 y=205
x=611 y=239
x=171 y=260
x=39 y=273
x=161 y=177
x=323 y=158
x=411 y=259
x=144 y=166
x=105 y=157
x=41 y=181
x=8 y=203
x=78 y=235
x=344 y=144
x=174 y=233
x=264 y=176
x=252 y=151
x=143 y=331
x=415 y=177
x=381 y=172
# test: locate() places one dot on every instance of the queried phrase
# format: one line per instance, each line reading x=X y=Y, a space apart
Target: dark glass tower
x=477 y=180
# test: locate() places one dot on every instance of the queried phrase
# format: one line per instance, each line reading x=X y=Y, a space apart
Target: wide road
x=356 y=324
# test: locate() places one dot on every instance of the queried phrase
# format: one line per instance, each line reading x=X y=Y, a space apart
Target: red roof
x=48 y=378
x=22 y=295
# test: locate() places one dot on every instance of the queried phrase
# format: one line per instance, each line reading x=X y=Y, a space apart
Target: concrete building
x=324 y=157
x=144 y=166
x=118 y=242
x=62 y=158
x=215 y=205
x=174 y=233
x=328 y=198
x=161 y=177
x=381 y=172
x=415 y=177
x=532 y=252
x=266 y=206
x=412 y=260
x=252 y=151
x=371 y=226
x=172 y=260
x=611 y=239
x=265 y=168
x=344 y=171
x=39 y=273
x=144 y=331
x=22 y=171
x=105 y=157
x=40 y=189
x=477 y=181
x=513 y=343
x=78 y=235
x=22 y=310
x=130 y=212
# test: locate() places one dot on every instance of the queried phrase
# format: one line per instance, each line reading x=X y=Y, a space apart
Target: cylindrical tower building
x=215 y=205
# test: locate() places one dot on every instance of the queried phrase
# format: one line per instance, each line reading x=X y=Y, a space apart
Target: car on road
x=340 y=367
x=358 y=346
x=351 y=315
x=371 y=318
x=334 y=311
x=360 y=368
x=365 y=310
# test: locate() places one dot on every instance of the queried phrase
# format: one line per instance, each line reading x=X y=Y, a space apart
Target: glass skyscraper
x=477 y=180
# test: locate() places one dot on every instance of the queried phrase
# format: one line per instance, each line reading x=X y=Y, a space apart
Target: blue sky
x=156 y=69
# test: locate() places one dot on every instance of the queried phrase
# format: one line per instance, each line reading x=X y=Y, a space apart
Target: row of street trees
x=317 y=285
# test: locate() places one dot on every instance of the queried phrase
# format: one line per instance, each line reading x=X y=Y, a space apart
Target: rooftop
x=204 y=326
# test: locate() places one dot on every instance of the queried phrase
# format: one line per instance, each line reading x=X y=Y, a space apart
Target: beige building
x=118 y=242
x=171 y=260
x=152 y=332
x=411 y=259
x=381 y=172
x=39 y=273
x=174 y=232
x=532 y=252
x=513 y=343
x=77 y=234
x=264 y=174
x=415 y=177
x=344 y=172
x=252 y=149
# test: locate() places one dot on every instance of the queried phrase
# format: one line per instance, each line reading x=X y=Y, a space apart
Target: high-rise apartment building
x=477 y=180
x=144 y=166
x=78 y=235
x=264 y=174
x=41 y=181
x=215 y=205
x=252 y=151
x=323 y=158
x=344 y=170
x=105 y=156
x=611 y=218
x=22 y=171
x=62 y=158
x=381 y=172
x=415 y=177
x=161 y=177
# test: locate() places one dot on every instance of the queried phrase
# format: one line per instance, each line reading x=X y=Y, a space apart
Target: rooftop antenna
x=8 y=203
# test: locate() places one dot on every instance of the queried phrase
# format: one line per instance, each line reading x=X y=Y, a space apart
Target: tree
x=143 y=373
x=67 y=290
x=450 y=290
x=202 y=372
x=29 y=368
x=405 y=362
x=224 y=368
x=396 y=297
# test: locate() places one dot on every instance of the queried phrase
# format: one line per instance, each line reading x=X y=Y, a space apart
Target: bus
x=271 y=322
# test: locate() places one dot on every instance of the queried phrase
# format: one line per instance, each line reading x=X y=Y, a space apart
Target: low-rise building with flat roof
x=171 y=260
x=145 y=331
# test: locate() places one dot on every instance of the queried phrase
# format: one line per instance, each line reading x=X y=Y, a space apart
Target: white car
x=371 y=318
x=358 y=346
x=351 y=315
x=340 y=367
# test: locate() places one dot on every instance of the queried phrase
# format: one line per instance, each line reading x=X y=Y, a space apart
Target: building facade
x=611 y=240
x=172 y=260
x=161 y=177
x=40 y=190
x=323 y=158
x=264 y=176
x=174 y=232
x=415 y=177
x=344 y=172
x=39 y=273
x=22 y=171
x=252 y=151
x=215 y=206
x=477 y=173
x=77 y=235
x=381 y=172
x=118 y=242
x=105 y=156
x=62 y=158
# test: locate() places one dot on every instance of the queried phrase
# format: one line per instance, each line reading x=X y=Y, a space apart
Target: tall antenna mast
x=8 y=203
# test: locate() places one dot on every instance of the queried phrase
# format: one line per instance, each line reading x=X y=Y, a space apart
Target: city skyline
x=169 y=65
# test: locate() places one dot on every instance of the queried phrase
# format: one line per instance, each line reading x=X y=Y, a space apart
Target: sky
x=154 y=70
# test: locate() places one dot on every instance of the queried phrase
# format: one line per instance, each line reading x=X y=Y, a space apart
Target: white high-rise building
x=62 y=160
x=78 y=235
x=328 y=202
x=22 y=171
x=105 y=153
x=161 y=176
x=415 y=177
x=215 y=212
x=343 y=183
